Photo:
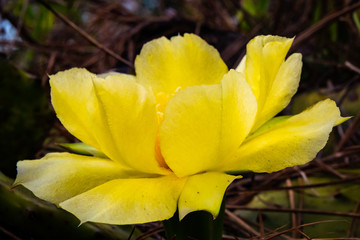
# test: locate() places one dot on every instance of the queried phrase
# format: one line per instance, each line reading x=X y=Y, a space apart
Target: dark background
x=39 y=37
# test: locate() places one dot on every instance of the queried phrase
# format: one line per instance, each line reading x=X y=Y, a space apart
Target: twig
x=306 y=180
x=353 y=221
x=292 y=205
x=301 y=200
x=349 y=132
x=287 y=210
x=276 y=231
x=348 y=87
x=318 y=185
x=297 y=227
x=11 y=235
x=308 y=33
x=302 y=233
x=263 y=181
x=238 y=45
x=151 y=232
x=85 y=34
x=329 y=169
x=241 y=223
x=352 y=67
x=261 y=224
x=132 y=232
x=228 y=237
x=22 y=15
x=49 y=66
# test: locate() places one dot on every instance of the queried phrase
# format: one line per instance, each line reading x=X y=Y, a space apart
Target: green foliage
x=83 y=149
x=39 y=20
x=350 y=104
x=356 y=19
x=256 y=8
x=27 y=217
x=196 y=225
x=25 y=117
x=333 y=198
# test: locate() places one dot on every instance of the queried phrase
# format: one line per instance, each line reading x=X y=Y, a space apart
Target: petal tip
x=184 y=212
x=341 y=120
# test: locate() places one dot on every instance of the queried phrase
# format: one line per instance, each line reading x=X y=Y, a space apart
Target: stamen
x=162 y=100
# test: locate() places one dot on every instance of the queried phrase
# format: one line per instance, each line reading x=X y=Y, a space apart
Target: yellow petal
x=115 y=115
x=190 y=132
x=287 y=141
x=341 y=120
x=128 y=201
x=282 y=89
x=204 y=125
x=267 y=126
x=129 y=128
x=264 y=55
x=272 y=80
x=104 y=75
x=60 y=176
x=166 y=65
x=204 y=192
x=73 y=96
x=238 y=111
x=241 y=67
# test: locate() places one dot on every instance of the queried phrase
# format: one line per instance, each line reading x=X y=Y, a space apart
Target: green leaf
x=27 y=217
x=198 y=225
x=83 y=149
x=339 y=198
x=25 y=116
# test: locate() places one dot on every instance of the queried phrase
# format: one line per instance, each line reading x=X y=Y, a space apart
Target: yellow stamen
x=162 y=99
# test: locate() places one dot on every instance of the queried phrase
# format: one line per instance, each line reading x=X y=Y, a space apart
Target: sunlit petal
x=182 y=61
x=204 y=192
x=282 y=89
x=273 y=80
x=168 y=138
x=122 y=126
x=203 y=125
x=131 y=122
x=287 y=141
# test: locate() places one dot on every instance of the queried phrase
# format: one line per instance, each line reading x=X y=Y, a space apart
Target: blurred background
x=42 y=37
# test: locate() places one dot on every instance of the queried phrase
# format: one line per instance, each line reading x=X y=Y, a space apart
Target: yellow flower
x=174 y=132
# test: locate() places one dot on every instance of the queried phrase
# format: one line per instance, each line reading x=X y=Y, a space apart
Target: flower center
x=162 y=99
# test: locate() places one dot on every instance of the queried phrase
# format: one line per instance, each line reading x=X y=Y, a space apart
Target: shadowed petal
x=131 y=121
x=287 y=141
x=128 y=201
x=60 y=176
x=74 y=100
